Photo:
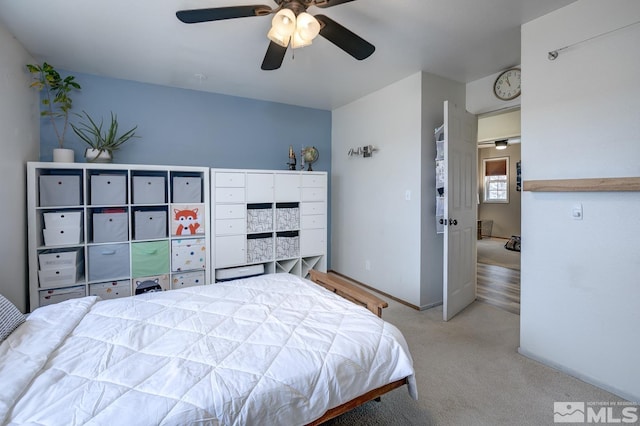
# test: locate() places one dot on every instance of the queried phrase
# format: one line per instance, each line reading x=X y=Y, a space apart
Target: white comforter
x=271 y=350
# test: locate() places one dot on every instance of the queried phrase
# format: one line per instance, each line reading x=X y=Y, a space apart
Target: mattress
x=269 y=350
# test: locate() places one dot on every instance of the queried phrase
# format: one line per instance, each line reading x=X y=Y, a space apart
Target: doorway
x=499 y=190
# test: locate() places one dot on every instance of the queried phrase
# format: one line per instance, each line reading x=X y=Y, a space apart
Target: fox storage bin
x=108 y=189
x=149 y=258
x=59 y=190
x=188 y=254
x=108 y=262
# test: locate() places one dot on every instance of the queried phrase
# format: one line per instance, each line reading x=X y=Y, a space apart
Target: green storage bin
x=150 y=258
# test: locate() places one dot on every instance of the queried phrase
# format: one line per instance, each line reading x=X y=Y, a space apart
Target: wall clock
x=507 y=85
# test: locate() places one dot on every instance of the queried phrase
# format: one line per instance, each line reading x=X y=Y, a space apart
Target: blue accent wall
x=191 y=128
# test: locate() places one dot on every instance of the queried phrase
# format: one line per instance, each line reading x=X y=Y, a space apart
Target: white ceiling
x=142 y=40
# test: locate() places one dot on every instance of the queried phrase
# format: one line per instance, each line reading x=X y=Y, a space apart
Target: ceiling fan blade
x=329 y=3
x=346 y=40
x=274 y=57
x=219 y=13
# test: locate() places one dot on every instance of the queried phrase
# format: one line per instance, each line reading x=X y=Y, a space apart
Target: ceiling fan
x=291 y=27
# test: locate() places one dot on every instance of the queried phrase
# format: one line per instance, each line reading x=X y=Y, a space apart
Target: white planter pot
x=63 y=155
x=97 y=156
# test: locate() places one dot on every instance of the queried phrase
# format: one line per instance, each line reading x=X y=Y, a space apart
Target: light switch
x=407 y=195
x=576 y=212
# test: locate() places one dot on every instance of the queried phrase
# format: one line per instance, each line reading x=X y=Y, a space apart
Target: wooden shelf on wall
x=583 y=185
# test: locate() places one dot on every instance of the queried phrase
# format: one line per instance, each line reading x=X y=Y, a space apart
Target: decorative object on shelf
x=309 y=156
x=507 y=85
x=366 y=151
x=292 y=158
x=102 y=143
x=56 y=103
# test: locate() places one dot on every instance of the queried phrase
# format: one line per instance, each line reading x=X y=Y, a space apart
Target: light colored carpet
x=469 y=373
x=491 y=251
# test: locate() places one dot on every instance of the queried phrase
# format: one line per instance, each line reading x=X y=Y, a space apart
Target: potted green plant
x=56 y=102
x=102 y=143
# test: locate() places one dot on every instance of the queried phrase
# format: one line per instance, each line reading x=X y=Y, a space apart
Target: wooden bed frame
x=374 y=304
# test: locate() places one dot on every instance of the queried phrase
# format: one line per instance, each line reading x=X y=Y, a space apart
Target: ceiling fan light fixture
x=307 y=26
x=278 y=38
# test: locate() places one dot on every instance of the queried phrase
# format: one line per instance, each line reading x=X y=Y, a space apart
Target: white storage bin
x=187 y=279
x=110 y=227
x=49 y=297
x=56 y=277
x=287 y=217
x=149 y=190
x=62 y=236
x=187 y=189
x=260 y=218
x=259 y=249
x=287 y=246
x=111 y=290
x=149 y=224
x=59 y=190
x=62 y=219
x=108 y=189
x=50 y=259
x=108 y=262
x=188 y=254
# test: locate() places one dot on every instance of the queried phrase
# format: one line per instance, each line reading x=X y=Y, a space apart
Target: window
x=496 y=180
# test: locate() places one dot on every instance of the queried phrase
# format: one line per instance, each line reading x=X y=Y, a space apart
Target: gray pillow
x=10 y=318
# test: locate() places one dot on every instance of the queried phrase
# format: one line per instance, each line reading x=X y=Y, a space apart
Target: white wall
x=581 y=279
x=372 y=221
x=20 y=129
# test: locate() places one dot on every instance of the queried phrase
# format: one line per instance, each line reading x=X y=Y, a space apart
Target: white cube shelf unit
x=268 y=220
x=115 y=230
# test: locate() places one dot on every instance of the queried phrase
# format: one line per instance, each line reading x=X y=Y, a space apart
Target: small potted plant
x=102 y=143
x=56 y=103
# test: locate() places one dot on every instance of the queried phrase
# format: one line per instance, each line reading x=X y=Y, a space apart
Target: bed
x=268 y=350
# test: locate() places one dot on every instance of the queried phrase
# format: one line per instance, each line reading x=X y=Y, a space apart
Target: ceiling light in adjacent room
x=502 y=144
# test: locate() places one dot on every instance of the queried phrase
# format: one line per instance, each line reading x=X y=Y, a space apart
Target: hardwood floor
x=499 y=286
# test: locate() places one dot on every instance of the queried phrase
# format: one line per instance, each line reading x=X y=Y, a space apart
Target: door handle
x=453 y=221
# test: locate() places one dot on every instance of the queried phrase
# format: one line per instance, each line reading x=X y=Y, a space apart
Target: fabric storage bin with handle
x=188 y=254
x=60 y=276
x=149 y=224
x=59 y=190
x=149 y=190
x=62 y=235
x=187 y=189
x=108 y=262
x=259 y=248
x=149 y=258
x=108 y=189
x=52 y=259
x=110 y=227
x=287 y=245
x=259 y=217
x=187 y=279
x=111 y=290
x=49 y=297
x=63 y=219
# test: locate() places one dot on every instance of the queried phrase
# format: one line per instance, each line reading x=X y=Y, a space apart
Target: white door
x=460 y=209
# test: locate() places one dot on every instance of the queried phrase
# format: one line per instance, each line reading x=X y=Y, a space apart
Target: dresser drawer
x=312 y=180
x=229 y=195
x=313 y=208
x=230 y=211
x=229 y=180
x=313 y=194
x=230 y=226
x=314 y=221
